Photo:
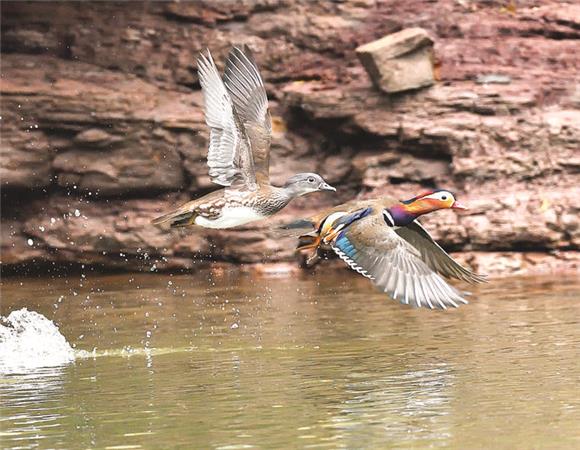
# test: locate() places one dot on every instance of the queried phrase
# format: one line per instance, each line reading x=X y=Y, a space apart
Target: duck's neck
x=283 y=194
x=292 y=191
x=399 y=215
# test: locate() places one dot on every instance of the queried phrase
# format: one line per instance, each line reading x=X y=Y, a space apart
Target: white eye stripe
x=442 y=195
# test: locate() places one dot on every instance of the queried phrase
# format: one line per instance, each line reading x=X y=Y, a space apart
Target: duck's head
x=406 y=211
x=432 y=201
x=304 y=183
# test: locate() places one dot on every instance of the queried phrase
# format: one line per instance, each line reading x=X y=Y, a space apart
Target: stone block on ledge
x=400 y=61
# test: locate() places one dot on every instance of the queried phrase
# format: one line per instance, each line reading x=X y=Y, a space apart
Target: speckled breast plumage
x=264 y=202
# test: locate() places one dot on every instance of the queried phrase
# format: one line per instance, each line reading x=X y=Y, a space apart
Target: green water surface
x=310 y=361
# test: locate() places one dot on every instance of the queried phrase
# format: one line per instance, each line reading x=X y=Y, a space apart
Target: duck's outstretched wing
x=229 y=154
x=246 y=88
x=374 y=250
x=434 y=256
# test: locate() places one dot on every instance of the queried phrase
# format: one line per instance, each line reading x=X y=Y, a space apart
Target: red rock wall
x=102 y=127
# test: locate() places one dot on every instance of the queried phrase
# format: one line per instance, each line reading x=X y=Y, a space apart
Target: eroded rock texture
x=102 y=127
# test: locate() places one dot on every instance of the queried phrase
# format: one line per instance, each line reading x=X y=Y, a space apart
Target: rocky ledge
x=102 y=127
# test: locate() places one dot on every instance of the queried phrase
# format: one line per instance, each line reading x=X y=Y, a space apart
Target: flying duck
x=236 y=111
x=382 y=240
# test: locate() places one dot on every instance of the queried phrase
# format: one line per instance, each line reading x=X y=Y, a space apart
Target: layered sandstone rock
x=102 y=126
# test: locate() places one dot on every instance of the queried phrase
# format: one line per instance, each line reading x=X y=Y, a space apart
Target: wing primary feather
x=401 y=286
x=449 y=295
x=423 y=288
x=407 y=288
x=454 y=293
x=249 y=65
x=395 y=294
x=414 y=291
x=388 y=280
x=434 y=292
x=446 y=291
x=243 y=73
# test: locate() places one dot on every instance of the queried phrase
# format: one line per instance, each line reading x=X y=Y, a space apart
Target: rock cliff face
x=102 y=127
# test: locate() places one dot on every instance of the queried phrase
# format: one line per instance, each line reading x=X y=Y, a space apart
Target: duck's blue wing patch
x=345 y=246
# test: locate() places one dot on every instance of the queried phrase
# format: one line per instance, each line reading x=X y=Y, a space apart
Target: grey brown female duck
x=236 y=111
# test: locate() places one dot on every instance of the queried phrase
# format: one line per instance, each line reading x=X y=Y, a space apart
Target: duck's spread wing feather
x=374 y=250
x=227 y=143
x=434 y=256
x=246 y=88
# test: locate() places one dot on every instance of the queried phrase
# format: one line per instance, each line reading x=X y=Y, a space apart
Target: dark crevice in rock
x=14 y=199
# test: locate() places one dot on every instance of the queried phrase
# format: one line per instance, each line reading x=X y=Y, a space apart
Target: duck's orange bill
x=457 y=205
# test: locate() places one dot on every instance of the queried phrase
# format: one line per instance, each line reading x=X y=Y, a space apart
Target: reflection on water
x=320 y=361
x=26 y=401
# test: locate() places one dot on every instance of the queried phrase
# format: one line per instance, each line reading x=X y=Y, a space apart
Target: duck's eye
x=311 y=180
x=444 y=197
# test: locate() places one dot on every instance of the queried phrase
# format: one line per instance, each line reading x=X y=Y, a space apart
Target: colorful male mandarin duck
x=236 y=111
x=382 y=240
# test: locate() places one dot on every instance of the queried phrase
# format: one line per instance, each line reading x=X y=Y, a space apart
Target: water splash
x=29 y=341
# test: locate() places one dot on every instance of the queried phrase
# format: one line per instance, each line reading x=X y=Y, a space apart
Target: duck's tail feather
x=174 y=219
x=308 y=241
x=292 y=229
x=300 y=224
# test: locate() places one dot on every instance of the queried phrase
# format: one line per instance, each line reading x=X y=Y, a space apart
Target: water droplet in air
x=30 y=242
